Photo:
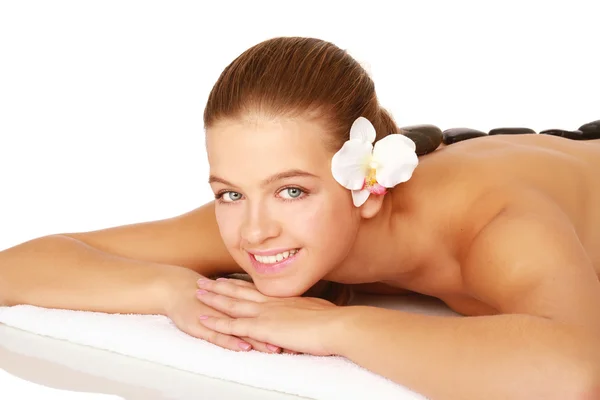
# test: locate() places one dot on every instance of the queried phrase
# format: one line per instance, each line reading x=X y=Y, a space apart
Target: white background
x=101 y=102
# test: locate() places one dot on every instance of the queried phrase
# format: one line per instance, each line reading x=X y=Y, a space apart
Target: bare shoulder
x=467 y=183
x=529 y=259
x=518 y=217
x=191 y=240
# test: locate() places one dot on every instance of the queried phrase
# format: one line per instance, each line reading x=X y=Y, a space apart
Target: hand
x=301 y=324
x=183 y=308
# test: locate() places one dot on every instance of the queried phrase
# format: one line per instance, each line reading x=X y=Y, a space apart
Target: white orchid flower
x=366 y=169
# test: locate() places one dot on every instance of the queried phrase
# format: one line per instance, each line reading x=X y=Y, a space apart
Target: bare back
x=460 y=188
x=564 y=170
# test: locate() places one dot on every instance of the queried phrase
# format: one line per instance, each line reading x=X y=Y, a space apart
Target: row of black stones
x=429 y=137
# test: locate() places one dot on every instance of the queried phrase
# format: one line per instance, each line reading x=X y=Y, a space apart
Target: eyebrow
x=292 y=173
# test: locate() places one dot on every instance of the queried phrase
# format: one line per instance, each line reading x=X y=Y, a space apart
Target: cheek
x=330 y=225
x=228 y=222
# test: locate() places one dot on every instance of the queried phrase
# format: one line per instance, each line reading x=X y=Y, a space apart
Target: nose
x=259 y=225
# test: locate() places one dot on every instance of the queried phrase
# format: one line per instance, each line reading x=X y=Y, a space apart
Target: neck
x=386 y=247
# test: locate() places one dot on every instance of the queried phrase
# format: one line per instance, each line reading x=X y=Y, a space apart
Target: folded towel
x=20 y=389
x=156 y=339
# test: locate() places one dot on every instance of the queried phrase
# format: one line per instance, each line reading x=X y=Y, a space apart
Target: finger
x=228 y=305
x=256 y=345
x=261 y=346
x=239 y=282
x=217 y=338
x=233 y=288
x=229 y=289
x=242 y=327
x=238 y=325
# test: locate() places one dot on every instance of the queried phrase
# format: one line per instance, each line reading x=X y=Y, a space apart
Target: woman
x=504 y=229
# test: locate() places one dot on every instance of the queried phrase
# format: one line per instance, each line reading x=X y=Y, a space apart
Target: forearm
x=498 y=357
x=61 y=272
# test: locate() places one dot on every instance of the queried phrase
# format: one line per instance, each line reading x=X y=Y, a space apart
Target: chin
x=287 y=287
x=292 y=277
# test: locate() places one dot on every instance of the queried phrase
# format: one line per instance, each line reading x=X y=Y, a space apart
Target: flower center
x=371 y=171
x=371 y=178
x=373 y=164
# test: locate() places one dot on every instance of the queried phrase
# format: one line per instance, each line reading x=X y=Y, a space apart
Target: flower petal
x=348 y=164
x=362 y=130
x=359 y=197
x=409 y=142
x=396 y=158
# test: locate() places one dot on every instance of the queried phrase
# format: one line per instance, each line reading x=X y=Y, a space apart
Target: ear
x=372 y=206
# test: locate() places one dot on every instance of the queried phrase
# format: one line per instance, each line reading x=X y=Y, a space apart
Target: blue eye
x=229 y=197
x=292 y=192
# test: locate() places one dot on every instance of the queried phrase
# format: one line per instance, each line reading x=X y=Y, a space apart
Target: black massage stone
x=591 y=130
x=511 y=131
x=427 y=138
x=574 y=135
x=455 y=135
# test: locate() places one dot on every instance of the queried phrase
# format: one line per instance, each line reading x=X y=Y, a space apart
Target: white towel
x=156 y=339
x=15 y=388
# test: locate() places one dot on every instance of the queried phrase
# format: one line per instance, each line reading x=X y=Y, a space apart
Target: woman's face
x=281 y=214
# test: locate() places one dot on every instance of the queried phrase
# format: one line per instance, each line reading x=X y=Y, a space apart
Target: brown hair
x=291 y=76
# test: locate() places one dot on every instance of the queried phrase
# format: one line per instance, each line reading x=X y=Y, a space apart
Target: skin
x=428 y=247
x=514 y=240
x=312 y=213
x=503 y=229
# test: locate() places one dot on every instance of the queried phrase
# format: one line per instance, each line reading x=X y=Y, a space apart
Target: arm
x=533 y=269
x=497 y=357
x=121 y=269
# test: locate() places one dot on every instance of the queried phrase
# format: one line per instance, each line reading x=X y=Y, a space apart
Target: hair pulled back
x=298 y=76
x=307 y=77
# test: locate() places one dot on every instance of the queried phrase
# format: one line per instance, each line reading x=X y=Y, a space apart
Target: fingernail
x=202 y=281
x=274 y=349
x=221 y=279
x=244 y=346
x=203 y=317
x=201 y=291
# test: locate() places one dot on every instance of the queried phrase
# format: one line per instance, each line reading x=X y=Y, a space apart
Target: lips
x=263 y=264
x=274 y=257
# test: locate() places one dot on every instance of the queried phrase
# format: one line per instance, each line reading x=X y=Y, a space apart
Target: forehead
x=257 y=147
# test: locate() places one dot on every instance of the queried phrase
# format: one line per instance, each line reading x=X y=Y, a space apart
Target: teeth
x=275 y=258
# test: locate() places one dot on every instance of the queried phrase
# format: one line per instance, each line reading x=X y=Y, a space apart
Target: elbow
x=6 y=296
x=4 y=286
x=582 y=381
x=584 y=389
x=576 y=362
x=570 y=368
x=590 y=386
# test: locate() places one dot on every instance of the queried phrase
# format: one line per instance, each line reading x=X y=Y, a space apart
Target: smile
x=275 y=258
x=270 y=264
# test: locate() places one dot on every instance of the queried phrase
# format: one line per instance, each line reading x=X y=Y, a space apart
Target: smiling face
x=281 y=214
